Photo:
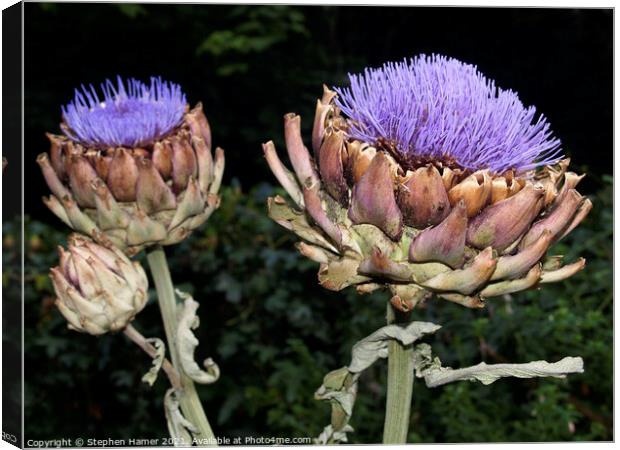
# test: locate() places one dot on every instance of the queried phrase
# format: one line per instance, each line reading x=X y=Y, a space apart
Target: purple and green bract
x=130 y=114
x=438 y=108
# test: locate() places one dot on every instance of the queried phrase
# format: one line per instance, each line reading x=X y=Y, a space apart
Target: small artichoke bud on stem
x=98 y=288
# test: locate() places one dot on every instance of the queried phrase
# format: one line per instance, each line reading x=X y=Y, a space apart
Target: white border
x=553 y=4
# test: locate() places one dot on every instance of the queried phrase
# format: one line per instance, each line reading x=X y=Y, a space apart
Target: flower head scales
x=439 y=109
x=131 y=113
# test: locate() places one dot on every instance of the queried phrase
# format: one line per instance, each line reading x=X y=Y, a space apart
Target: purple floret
x=131 y=114
x=440 y=109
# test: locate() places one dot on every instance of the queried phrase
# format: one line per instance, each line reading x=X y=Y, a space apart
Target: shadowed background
x=264 y=318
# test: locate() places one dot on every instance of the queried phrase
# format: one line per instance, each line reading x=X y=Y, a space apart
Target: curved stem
x=189 y=400
x=400 y=385
x=140 y=341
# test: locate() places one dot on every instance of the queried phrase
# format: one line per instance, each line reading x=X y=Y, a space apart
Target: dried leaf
x=158 y=360
x=187 y=343
x=375 y=346
x=178 y=426
x=435 y=375
x=340 y=386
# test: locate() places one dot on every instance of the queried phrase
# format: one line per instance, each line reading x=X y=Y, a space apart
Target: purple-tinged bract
x=130 y=114
x=440 y=109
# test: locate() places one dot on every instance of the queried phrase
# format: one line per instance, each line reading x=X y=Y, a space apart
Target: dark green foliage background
x=274 y=332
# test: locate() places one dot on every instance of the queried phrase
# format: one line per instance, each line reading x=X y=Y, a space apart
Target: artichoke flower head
x=134 y=167
x=427 y=178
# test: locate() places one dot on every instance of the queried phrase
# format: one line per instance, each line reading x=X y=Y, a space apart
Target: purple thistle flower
x=131 y=114
x=440 y=109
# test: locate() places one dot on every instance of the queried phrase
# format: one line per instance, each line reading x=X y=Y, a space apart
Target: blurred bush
x=275 y=333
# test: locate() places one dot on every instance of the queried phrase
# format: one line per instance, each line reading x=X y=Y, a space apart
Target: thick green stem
x=190 y=403
x=400 y=386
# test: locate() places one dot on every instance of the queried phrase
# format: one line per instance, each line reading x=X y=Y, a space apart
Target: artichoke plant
x=99 y=289
x=133 y=168
x=425 y=178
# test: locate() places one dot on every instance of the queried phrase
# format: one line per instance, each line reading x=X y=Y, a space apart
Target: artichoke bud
x=98 y=288
x=460 y=220
x=115 y=181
